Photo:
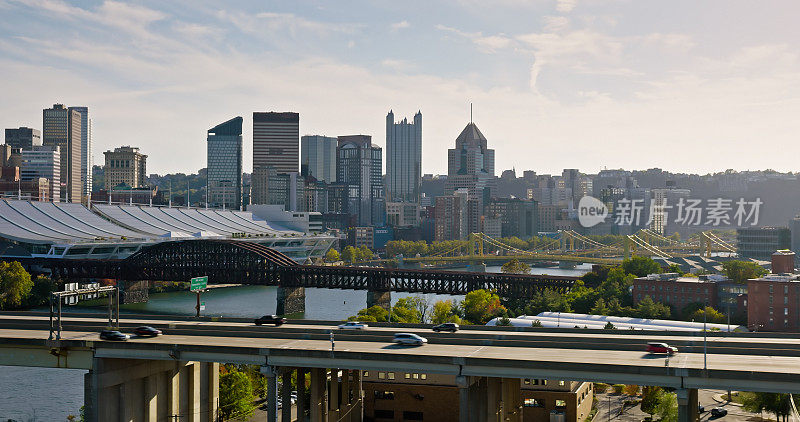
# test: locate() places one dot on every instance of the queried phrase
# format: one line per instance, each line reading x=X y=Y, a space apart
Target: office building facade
x=359 y=165
x=23 y=138
x=125 y=166
x=403 y=159
x=761 y=242
x=224 y=158
x=61 y=126
x=43 y=162
x=276 y=141
x=318 y=157
x=519 y=218
x=86 y=150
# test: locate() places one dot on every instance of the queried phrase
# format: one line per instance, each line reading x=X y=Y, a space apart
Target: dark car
x=113 y=335
x=270 y=319
x=719 y=412
x=145 y=331
x=661 y=348
x=447 y=326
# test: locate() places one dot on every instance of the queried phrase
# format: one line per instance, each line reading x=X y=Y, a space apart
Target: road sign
x=202 y=306
x=198 y=283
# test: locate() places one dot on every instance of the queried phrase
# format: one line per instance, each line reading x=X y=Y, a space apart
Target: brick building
x=676 y=291
x=408 y=396
x=773 y=303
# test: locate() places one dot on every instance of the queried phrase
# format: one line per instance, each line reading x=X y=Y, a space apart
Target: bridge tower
x=627 y=248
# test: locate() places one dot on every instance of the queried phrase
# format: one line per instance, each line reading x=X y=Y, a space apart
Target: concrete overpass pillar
x=494 y=399
x=302 y=405
x=358 y=396
x=270 y=372
x=687 y=405
x=286 y=394
x=333 y=400
x=319 y=402
x=382 y=299
x=90 y=395
x=512 y=399
x=291 y=300
x=346 y=404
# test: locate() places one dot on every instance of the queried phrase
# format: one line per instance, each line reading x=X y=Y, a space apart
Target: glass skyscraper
x=403 y=158
x=225 y=164
x=359 y=165
x=318 y=157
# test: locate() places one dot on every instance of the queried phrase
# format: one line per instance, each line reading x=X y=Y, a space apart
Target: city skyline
x=584 y=85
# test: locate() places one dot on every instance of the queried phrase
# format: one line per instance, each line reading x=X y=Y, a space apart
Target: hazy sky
x=688 y=85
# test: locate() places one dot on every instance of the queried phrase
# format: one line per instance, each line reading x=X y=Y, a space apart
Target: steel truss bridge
x=240 y=262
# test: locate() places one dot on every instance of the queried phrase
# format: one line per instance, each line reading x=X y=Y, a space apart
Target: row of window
x=391 y=375
x=686 y=299
x=559 y=404
x=528 y=381
x=675 y=289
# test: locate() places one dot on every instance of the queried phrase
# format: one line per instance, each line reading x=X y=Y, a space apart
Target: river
x=44 y=394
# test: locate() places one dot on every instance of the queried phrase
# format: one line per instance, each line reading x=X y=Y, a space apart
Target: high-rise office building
x=359 y=165
x=318 y=157
x=403 y=158
x=43 y=161
x=125 y=166
x=276 y=141
x=86 y=149
x=470 y=166
x=224 y=176
x=23 y=137
x=61 y=126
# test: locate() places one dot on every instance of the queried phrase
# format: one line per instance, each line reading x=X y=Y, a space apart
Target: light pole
x=705 y=336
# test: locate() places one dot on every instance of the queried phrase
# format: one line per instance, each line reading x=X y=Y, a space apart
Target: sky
x=685 y=85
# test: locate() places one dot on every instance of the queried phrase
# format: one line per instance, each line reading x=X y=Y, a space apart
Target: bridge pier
x=291 y=300
x=133 y=291
x=150 y=390
x=479 y=267
x=382 y=299
x=687 y=405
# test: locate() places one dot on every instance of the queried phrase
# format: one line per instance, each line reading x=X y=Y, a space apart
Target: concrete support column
x=382 y=299
x=333 y=397
x=687 y=405
x=151 y=398
x=286 y=395
x=302 y=405
x=462 y=382
x=193 y=392
x=358 y=396
x=90 y=394
x=319 y=403
x=494 y=402
x=346 y=402
x=512 y=399
x=270 y=372
x=174 y=390
x=291 y=300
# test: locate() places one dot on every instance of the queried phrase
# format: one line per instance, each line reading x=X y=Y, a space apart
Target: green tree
x=609 y=326
x=444 y=311
x=770 y=402
x=15 y=284
x=675 y=268
x=349 y=254
x=236 y=396
x=371 y=314
x=640 y=266
x=406 y=311
x=43 y=286
x=667 y=407
x=503 y=321
x=650 y=396
x=332 y=255
x=599 y=308
x=741 y=271
x=481 y=305
x=650 y=309
x=515 y=266
x=711 y=315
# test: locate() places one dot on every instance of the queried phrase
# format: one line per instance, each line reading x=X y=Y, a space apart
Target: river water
x=44 y=394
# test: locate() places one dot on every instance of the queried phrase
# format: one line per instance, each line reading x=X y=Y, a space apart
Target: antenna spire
x=470 y=113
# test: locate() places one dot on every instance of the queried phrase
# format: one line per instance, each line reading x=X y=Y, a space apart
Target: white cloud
x=566 y=5
x=486 y=44
x=400 y=25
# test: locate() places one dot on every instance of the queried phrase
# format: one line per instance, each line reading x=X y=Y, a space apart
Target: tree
x=43 y=286
x=503 y=321
x=649 y=309
x=236 y=396
x=667 y=407
x=640 y=266
x=711 y=315
x=444 y=311
x=631 y=390
x=741 y=271
x=675 y=268
x=406 y=311
x=481 y=305
x=515 y=266
x=422 y=305
x=349 y=254
x=609 y=326
x=15 y=284
x=771 y=402
x=536 y=323
x=650 y=396
x=332 y=255
x=371 y=314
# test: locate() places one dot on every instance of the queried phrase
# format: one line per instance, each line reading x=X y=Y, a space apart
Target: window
x=785 y=300
x=408 y=376
x=391 y=375
x=383 y=395
x=381 y=375
x=532 y=403
x=544 y=382
x=366 y=374
x=786 y=311
x=786 y=290
x=415 y=376
x=527 y=381
x=384 y=414
x=423 y=376
x=561 y=404
x=560 y=383
x=412 y=416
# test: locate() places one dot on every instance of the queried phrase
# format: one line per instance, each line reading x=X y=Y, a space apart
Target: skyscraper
x=43 y=161
x=125 y=166
x=276 y=141
x=318 y=157
x=224 y=175
x=86 y=149
x=470 y=165
x=61 y=126
x=403 y=158
x=24 y=138
x=359 y=165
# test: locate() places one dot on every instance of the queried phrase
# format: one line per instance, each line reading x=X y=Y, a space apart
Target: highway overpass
x=175 y=372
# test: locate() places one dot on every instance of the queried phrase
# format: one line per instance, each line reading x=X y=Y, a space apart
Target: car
x=352 y=325
x=447 y=326
x=409 y=338
x=270 y=319
x=145 y=331
x=719 y=412
x=113 y=335
x=661 y=348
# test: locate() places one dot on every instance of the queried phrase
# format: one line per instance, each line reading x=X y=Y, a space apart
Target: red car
x=661 y=348
x=146 y=331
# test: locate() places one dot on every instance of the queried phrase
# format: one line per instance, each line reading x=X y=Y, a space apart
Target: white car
x=353 y=325
x=409 y=338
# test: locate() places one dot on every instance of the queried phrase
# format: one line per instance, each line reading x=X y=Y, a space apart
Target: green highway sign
x=199 y=283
